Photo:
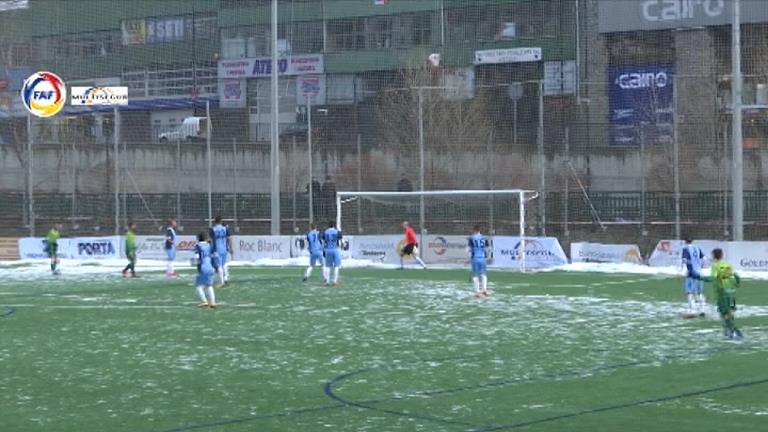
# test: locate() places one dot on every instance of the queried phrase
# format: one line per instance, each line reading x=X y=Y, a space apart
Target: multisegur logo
x=99 y=96
x=44 y=94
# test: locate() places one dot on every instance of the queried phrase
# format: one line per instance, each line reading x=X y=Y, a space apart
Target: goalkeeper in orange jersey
x=725 y=281
x=411 y=246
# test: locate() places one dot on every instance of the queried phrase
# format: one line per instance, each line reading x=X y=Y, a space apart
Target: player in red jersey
x=411 y=246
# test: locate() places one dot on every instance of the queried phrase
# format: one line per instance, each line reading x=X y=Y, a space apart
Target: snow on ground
x=31 y=269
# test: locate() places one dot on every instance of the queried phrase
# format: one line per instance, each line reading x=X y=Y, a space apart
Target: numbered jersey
x=314 y=245
x=170 y=238
x=219 y=235
x=331 y=238
x=203 y=252
x=477 y=245
x=693 y=258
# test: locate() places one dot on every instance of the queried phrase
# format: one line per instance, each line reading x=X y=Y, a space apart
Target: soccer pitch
x=386 y=351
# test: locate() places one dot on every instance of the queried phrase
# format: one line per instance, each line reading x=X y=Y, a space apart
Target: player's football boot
x=304 y=279
x=203 y=305
x=212 y=306
x=172 y=274
x=737 y=334
x=125 y=273
x=135 y=275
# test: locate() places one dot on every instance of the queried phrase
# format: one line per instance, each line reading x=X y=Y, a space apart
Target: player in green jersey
x=130 y=250
x=725 y=281
x=52 y=246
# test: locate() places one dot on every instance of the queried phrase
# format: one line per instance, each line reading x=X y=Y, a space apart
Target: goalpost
x=447 y=212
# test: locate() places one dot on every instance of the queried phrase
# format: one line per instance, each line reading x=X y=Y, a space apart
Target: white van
x=191 y=129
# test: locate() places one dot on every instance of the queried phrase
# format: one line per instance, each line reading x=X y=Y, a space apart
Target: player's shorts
x=409 y=249
x=52 y=250
x=479 y=267
x=726 y=301
x=204 y=278
x=170 y=254
x=221 y=259
x=315 y=258
x=333 y=258
x=131 y=255
x=693 y=286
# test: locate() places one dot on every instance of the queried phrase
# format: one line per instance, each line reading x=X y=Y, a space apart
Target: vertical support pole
x=30 y=177
x=725 y=185
x=514 y=122
x=737 y=174
x=309 y=159
x=275 y=132
x=521 y=209
x=359 y=182
x=178 y=181
x=74 y=159
x=676 y=156
x=124 y=189
x=491 y=172
x=116 y=166
x=442 y=22
x=642 y=180
x=542 y=163
x=209 y=159
x=234 y=181
x=567 y=186
x=422 y=228
x=295 y=183
x=338 y=211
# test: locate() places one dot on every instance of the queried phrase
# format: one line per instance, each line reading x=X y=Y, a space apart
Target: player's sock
x=418 y=259
x=53 y=267
x=210 y=295
x=308 y=272
x=476 y=283
x=691 y=301
x=326 y=274
x=484 y=282
x=221 y=274
x=335 y=275
x=402 y=262
x=201 y=293
x=226 y=273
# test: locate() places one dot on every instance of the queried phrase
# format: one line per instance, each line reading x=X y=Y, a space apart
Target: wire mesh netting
x=622 y=124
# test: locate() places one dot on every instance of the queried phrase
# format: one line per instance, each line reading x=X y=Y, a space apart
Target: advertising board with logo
x=641 y=104
x=379 y=249
x=96 y=247
x=621 y=16
x=605 y=253
x=312 y=88
x=669 y=253
x=134 y=32
x=299 y=246
x=507 y=55
x=89 y=96
x=540 y=252
x=252 y=248
x=44 y=94
x=444 y=249
x=232 y=93
x=747 y=255
x=9 y=249
x=306 y=64
x=153 y=247
x=34 y=248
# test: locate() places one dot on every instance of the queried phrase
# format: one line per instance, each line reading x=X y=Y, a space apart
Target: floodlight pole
x=210 y=157
x=421 y=160
x=116 y=165
x=275 y=133
x=737 y=176
x=309 y=159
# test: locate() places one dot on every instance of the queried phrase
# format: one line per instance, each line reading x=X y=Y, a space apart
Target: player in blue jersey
x=205 y=271
x=221 y=240
x=331 y=242
x=693 y=260
x=315 y=248
x=170 y=247
x=477 y=247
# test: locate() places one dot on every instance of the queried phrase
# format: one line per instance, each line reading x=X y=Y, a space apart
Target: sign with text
x=306 y=64
x=445 y=249
x=96 y=247
x=539 y=252
x=605 y=253
x=153 y=247
x=641 y=104
x=232 y=93
x=252 y=248
x=34 y=248
x=507 y=55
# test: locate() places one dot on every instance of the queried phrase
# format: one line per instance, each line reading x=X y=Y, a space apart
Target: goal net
x=450 y=212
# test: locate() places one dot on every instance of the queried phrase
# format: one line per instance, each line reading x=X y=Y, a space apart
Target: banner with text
x=153 y=247
x=252 y=248
x=448 y=249
x=605 y=253
x=540 y=252
x=96 y=247
x=669 y=253
x=747 y=255
x=34 y=248
x=305 y=64
x=380 y=248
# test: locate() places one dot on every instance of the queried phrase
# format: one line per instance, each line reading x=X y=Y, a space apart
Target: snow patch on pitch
x=627 y=268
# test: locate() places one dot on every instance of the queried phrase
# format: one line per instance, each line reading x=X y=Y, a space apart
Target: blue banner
x=642 y=104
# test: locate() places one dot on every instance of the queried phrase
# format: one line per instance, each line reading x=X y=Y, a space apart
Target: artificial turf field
x=386 y=351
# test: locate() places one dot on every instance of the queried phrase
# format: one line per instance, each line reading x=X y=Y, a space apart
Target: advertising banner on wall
x=34 y=248
x=380 y=248
x=669 y=253
x=747 y=255
x=605 y=253
x=540 y=252
x=252 y=248
x=153 y=247
x=96 y=247
x=641 y=104
x=232 y=93
x=444 y=249
x=305 y=64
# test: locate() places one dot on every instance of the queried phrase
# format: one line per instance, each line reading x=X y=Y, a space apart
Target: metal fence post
x=116 y=166
x=30 y=178
x=234 y=181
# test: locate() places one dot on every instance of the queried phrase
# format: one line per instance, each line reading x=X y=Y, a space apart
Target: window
x=234 y=4
x=379 y=32
x=81 y=45
x=181 y=80
x=346 y=34
x=510 y=20
x=641 y=48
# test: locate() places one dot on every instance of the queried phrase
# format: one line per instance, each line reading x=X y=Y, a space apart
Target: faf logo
x=44 y=94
